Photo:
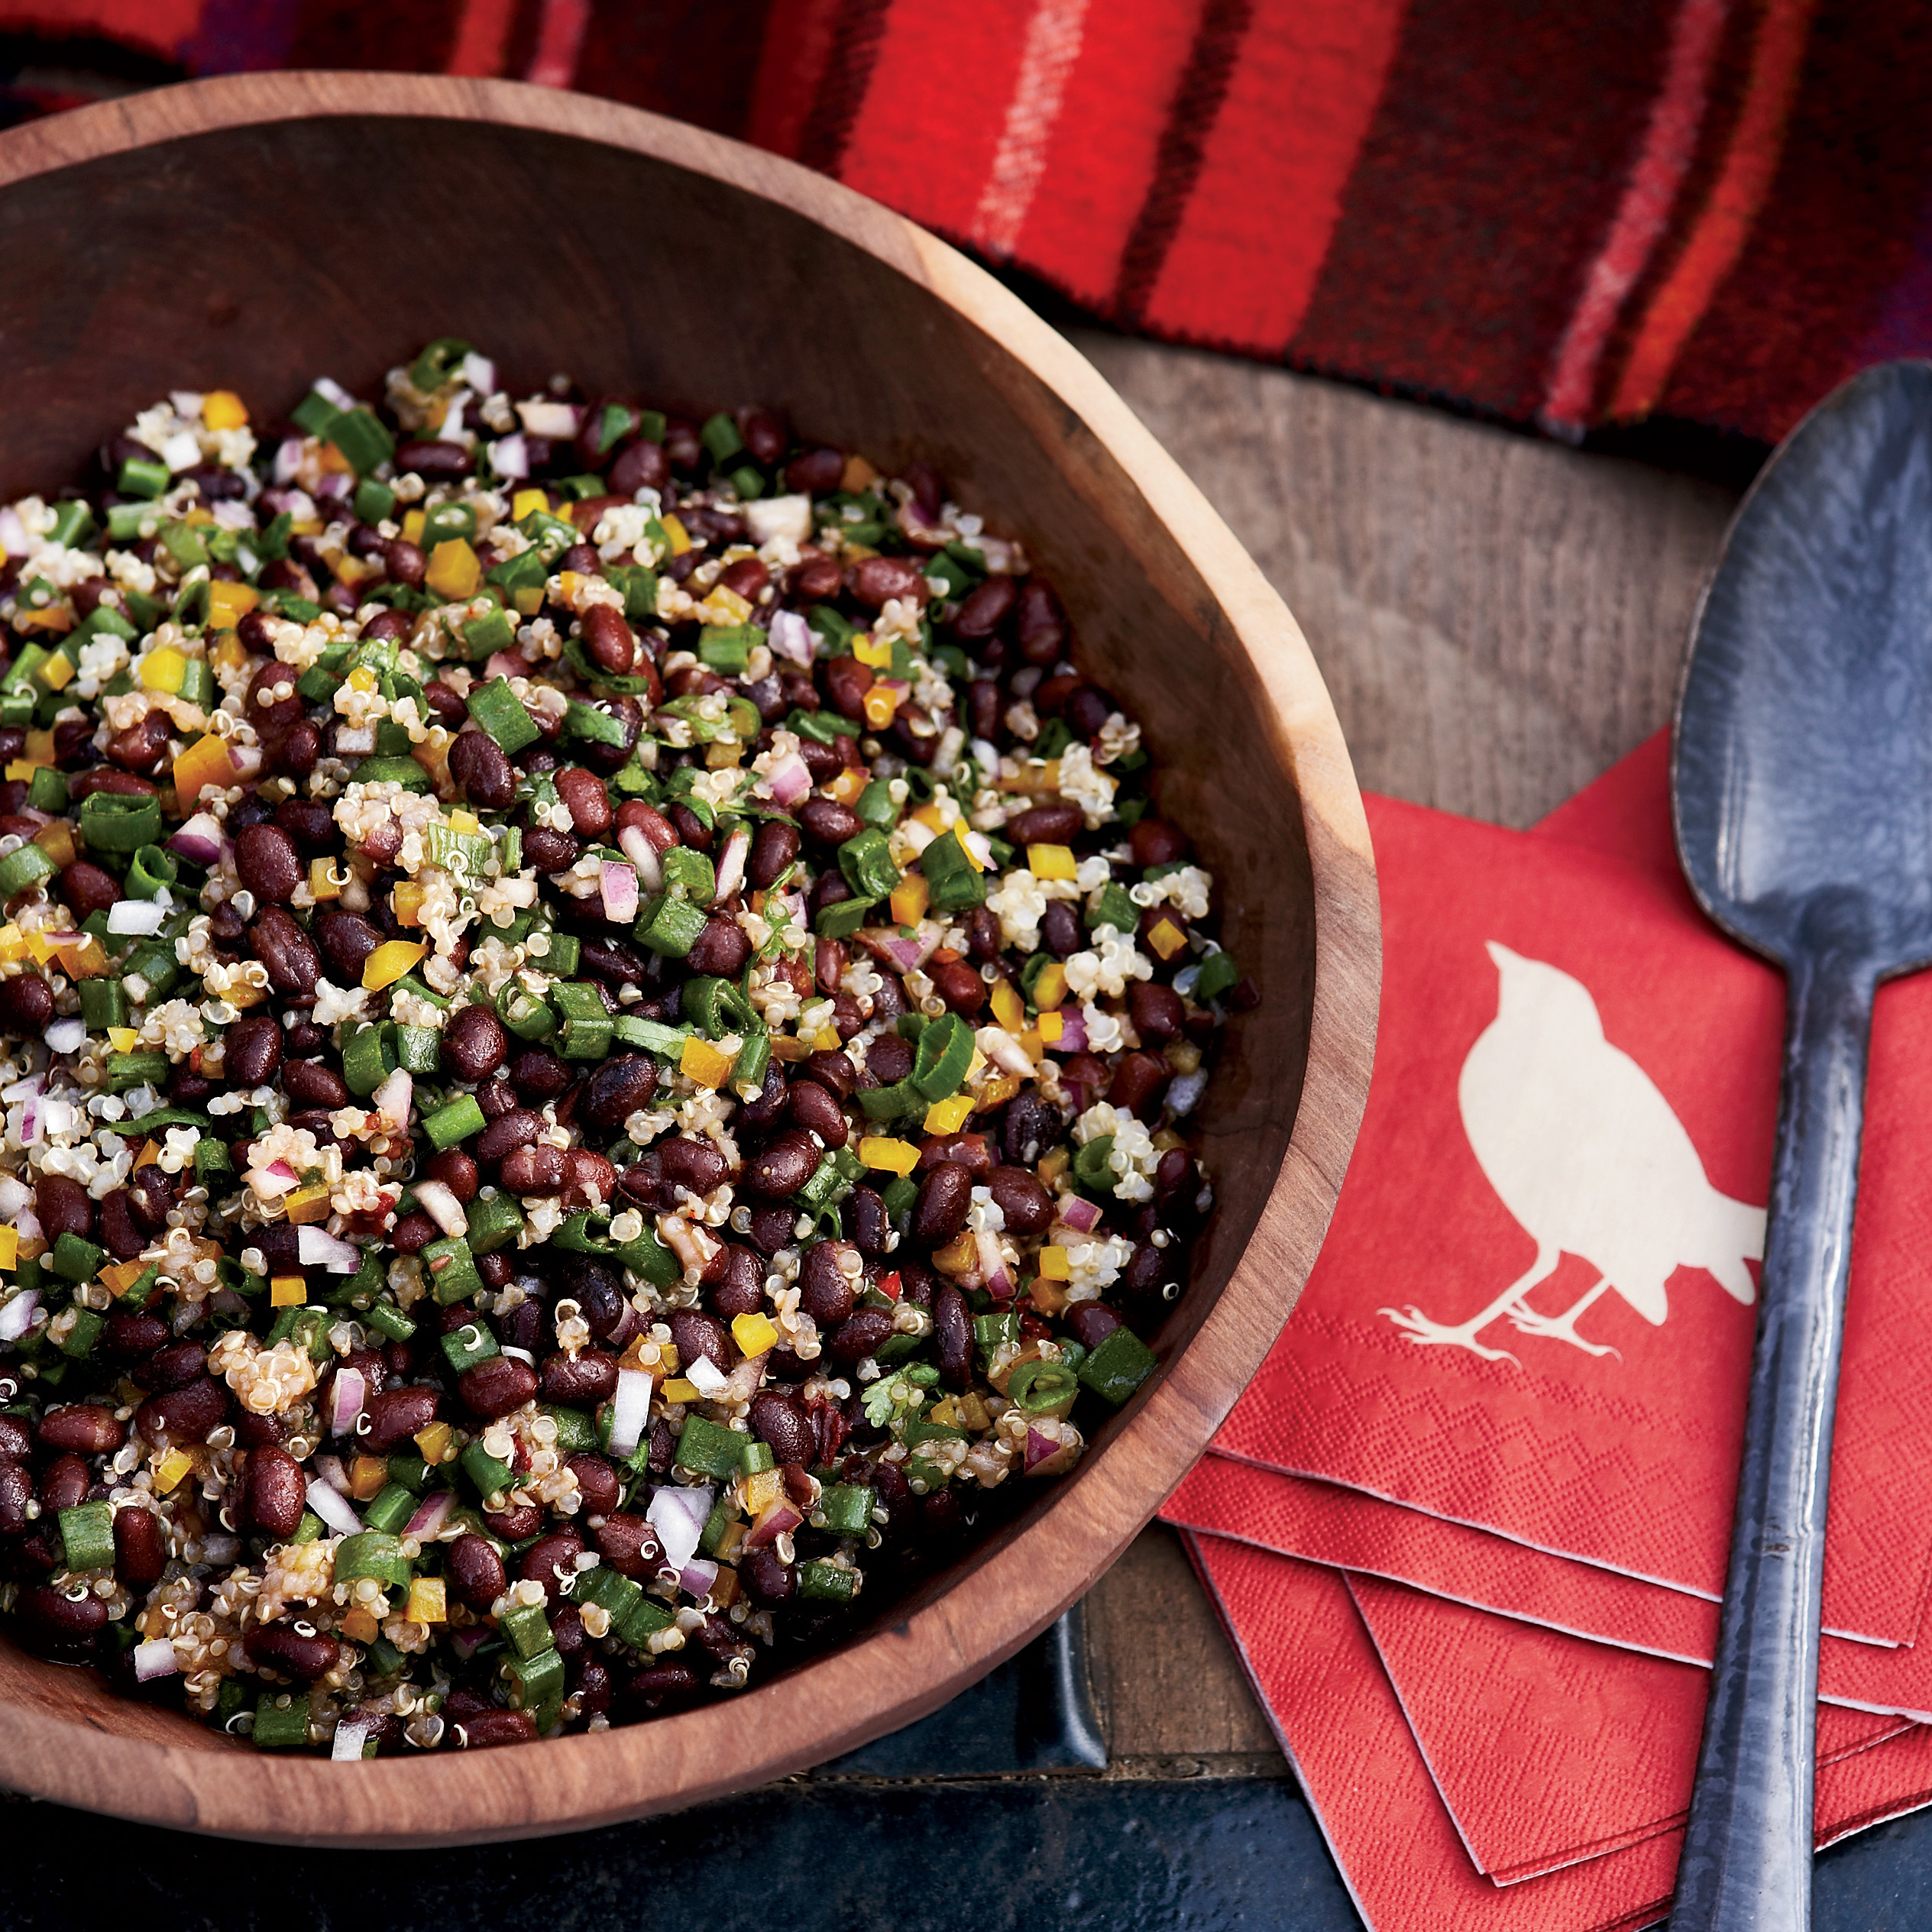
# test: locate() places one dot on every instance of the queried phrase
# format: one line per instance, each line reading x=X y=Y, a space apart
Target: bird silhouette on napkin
x=1591 y=1159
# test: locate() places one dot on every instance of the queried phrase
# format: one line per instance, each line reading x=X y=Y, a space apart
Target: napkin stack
x=1468 y=1529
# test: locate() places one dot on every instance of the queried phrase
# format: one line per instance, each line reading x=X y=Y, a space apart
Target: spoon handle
x=1746 y=1864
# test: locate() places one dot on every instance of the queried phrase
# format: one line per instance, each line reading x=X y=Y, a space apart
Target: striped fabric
x=1573 y=215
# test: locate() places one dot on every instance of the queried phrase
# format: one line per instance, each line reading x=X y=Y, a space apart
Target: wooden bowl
x=252 y=232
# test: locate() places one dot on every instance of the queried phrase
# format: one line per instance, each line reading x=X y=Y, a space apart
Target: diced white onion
x=704 y=1376
x=631 y=1410
x=678 y=1516
x=136 y=916
x=316 y=1247
x=443 y=1207
x=351 y=1734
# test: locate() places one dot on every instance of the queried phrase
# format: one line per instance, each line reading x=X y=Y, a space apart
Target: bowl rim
x=953 y=1639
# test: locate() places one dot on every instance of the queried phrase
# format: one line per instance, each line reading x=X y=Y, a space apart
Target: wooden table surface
x=1499 y=619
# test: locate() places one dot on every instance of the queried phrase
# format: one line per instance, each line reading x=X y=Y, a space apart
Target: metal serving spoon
x=1801 y=780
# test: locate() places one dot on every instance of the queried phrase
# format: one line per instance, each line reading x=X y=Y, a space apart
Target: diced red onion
x=316 y=1247
x=480 y=373
x=350 y=1736
x=31 y=1109
x=348 y=1396
x=430 y=1513
x=199 y=841
x=1040 y=1448
x=992 y=1265
x=18 y=1316
x=155 y=1659
x=246 y=760
x=678 y=1516
x=1184 y=1094
x=743 y=1382
x=327 y=386
x=392 y=1097
x=28 y=1225
x=629 y=1322
x=271 y=1183
x=509 y=456
x=1082 y=1215
x=1073 y=1032
x=288 y=459
x=334 y=1510
x=441 y=1206
x=506 y=664
x=789 y=779
x=466 y=1642
x=704 y=1376
x=779 y=1520
x=697 y=1576
x=791 y=637
x=335 y=488
x=618 y=883
x=630 y=1411
x=731 y=865
x=335 y=1472
x=136 y=917
x=14 y=1194
x=67 y=1036
x=642 y=854
x=1005 y=1052
x=894 y=950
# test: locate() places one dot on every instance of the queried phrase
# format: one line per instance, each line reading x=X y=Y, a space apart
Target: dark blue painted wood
x=1802 y=785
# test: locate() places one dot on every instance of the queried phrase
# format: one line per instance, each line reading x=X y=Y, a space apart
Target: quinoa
x=598 y=1031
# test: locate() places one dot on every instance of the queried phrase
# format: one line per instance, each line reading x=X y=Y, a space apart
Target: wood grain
x=645 y=257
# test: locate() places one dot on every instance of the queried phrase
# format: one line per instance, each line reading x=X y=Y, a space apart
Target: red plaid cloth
x=1709 y=210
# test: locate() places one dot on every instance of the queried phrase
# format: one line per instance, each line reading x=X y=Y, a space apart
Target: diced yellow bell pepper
x=20 y=768
x=948 y=1116
x=350 y=570
x=57 y=840
x=151 y=1152
x=724 y=606
x=308 y=1204
x=1008 y=1008
x=229 y=653
x=910 y=897
x=204 y=766
x=754 y=1334
x=1031 y=1045
x=163 y=670
x=307 y=526
x=1049 y=989
x=1048 y=1295
x=761 y=1491
x=40 y=746
x=169 y=1471
x=680 y=537
x=931 y=818
x=412 y=523
x=367 y=1477
x=957 y=1255
x=57 y=619
x=118 y=1277
x=967 y=845
x=59 y=672
x=332 y=461
x=785 y=1048
x=1165 y=938
x=893 y=1157
x=1051 y=1166
x=389 y=961
x=454 y=571
x=287 y=1291
x=1055 y=1264
x=123 y=1039
x=847 y=785
x=221 y=408
x=568 y=583
x=995 y=1093
x=325 y=880
x=526 y=502
x=723 y=751
x=362 y=679
x=13 y=944
x=873 y=650
x=879 y=704
x=406 y=901
x=826 y=1040
x=43 y=948
x=676 y=1390
x=427 y=1603
x=1051 y=861
x=1052 y=1025
x=228 y=604
x=857 y=477
x=702 y=1062
x=529 y=600
x=436 y=1444
x=9 y=1247
x=85 y=961
x=463 y=821
x=359 y=1626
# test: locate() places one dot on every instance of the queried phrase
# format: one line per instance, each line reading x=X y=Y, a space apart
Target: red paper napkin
x=1547 y=1750
x=1342 y=1724
x=1624 y=1460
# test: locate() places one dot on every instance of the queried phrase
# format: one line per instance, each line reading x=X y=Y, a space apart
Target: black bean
x=294 y=965
x=183 y=1415
x=815 y=1110
x=696 y=1165
x=538 y=1169
x=475 y=1572
x=347 y=939
x=269 y=866
x=629 y=1544
x=395 y=1414
x=538 y=1075
x=870 y=1226
x=952 y=1336
x=518 y=1128
x=479 y=765
x=494 y=1388
x=1032 y=1126
x=581 y=1381
x=273 y=1489
x=940 y=1210
x=696 y=1334
x=172 y=1367
x=53 y=1620
x=314 y=1084
x=549 y=1560
x=775 y=847
x=252 y=1050
x=736 y=1278
x=722 y=948
x=888 y=1059
x=783 y=1167
x=485 y=1730
x=770 y=1103
x=64 y=1484
x=834 y=1070
x=150 y=1194
x=596 y=1481
x=83 y=1428
x=26 y=1004
x=782 y=1422
x=549 y=850
x=852 y=1340
x=1028 y=1206
x=62 y=1206
x=16 y=1492
x=140 y=1550
x=828 y=1291
x=1060 y=930
x=619 y=1086
x=1159 y=1012
x=828 y=823
x=475 y=1044
x=456 y=1172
